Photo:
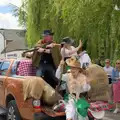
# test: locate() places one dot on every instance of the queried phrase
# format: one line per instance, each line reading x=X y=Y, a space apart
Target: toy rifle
x=36 y=48
x=30 y=50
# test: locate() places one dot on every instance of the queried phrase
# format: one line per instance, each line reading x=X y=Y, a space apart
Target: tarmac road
x=111 y=116
x=108 y=116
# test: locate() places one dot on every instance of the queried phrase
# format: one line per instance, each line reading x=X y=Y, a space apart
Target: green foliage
x=96 y=22
x=23 y=13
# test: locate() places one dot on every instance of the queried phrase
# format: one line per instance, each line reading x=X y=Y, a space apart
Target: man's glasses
x=117 y=63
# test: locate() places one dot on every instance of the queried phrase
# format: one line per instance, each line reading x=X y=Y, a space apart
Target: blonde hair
x=118 y=60
x=107 y=60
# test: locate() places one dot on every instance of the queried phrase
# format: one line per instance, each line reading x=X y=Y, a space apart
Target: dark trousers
x=47 y=72
x=110 y=80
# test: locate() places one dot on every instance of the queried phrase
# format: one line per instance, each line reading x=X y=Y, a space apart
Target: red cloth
x=25 y=68
x=94 y=106
x=47 y=39
x=100 y=106
x=116 y=92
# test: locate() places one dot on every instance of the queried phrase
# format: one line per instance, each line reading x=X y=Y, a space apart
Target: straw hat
x=73 y=62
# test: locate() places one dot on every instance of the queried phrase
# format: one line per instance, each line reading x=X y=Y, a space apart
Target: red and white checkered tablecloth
x=100 y=106
x=25 y=68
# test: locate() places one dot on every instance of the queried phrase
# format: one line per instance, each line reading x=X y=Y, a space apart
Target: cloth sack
x=50 y=96
x=98 y=82
x=33 y=87
x=37 y=88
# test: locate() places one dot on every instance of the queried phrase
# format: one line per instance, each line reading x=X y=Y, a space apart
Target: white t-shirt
x=84 y=58
x=108 y=70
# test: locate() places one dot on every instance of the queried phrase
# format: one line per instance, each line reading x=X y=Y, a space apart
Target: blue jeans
x=47 y=72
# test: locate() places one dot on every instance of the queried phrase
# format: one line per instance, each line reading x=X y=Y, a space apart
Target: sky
x=7 y=20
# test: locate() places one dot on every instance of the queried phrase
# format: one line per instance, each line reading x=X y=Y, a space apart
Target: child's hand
x=80 y=44
x=62 y=62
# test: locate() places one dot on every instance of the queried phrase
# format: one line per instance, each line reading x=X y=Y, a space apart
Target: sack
x=50 y=96
x=33 y=87
x=37 y=88
x=99 y=83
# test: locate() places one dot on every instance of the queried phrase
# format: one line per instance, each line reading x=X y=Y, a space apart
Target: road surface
x=108 y=116
x=111 y=116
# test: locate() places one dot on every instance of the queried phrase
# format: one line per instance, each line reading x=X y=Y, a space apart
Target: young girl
x=76 y=83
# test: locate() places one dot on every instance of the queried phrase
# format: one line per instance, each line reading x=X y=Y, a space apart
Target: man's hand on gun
x=41 y=50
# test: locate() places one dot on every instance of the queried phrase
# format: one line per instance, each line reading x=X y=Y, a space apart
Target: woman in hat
x=77 y=83
x=67 y=49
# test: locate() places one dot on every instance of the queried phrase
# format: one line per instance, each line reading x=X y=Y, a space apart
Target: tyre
x=13 y=112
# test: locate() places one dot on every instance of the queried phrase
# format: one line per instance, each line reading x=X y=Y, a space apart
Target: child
x=76 y=83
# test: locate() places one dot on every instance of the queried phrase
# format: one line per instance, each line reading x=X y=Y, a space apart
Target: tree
x=96 y=22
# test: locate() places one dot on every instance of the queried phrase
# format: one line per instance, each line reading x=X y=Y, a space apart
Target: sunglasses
x=117 y=63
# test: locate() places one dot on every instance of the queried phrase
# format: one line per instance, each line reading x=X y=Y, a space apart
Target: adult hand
x=41 y=50
x=50 y=45
x=47 y=51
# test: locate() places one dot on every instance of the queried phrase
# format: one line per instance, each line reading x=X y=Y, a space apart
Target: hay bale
x=99 y=83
